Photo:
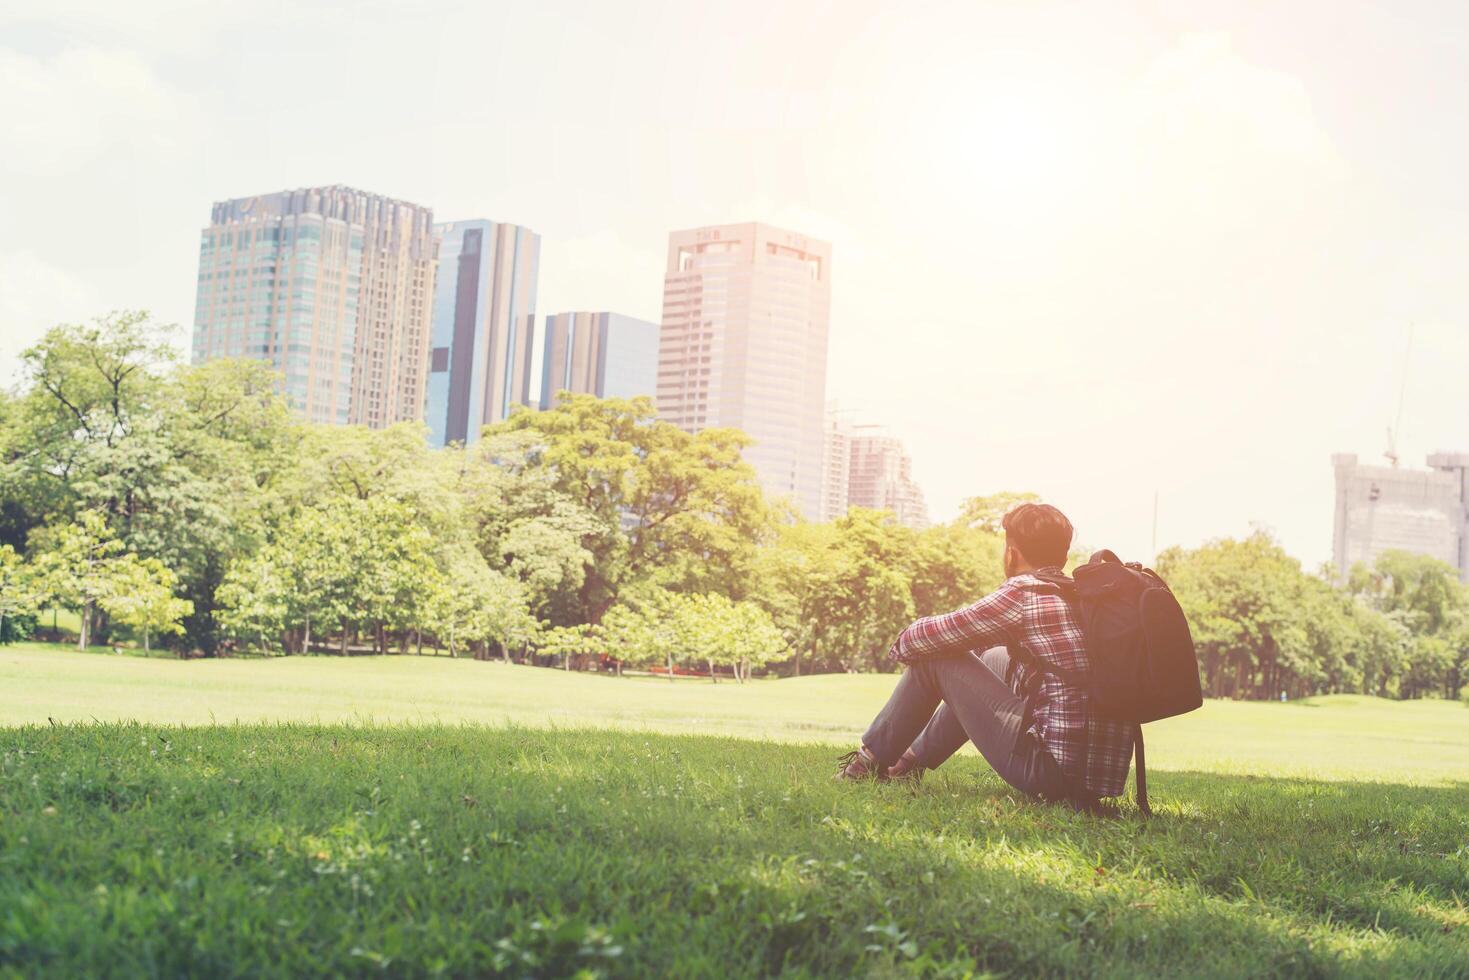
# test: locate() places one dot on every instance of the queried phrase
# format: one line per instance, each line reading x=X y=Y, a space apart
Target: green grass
x=338 y=843
x=1335 y=738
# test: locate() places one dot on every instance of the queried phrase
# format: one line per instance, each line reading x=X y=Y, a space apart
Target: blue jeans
x=940 y=704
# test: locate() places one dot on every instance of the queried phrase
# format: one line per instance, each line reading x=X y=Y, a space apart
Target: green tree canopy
x=681 y=510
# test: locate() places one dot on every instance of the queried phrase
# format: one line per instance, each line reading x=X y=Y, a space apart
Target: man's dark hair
x=1040 y=532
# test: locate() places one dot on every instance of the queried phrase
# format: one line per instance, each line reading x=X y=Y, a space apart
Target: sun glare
x=1004 y=144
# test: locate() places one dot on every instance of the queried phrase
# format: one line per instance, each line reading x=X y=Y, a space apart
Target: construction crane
x=1396 y=427
x=1374 y=492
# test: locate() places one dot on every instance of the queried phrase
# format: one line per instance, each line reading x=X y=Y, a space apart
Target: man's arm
x=991 y=621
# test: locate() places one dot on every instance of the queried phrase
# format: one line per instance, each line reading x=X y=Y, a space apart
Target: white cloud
x=1223 y=140
x=62 y=111
x=34 y=296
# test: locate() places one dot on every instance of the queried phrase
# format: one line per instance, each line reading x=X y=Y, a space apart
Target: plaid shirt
x=1095 y=749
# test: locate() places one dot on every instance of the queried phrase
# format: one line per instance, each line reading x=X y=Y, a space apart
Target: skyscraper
x=881 y=477
x=604 y=354
x=330 y=285
x=743 y=343
x=484 y=312
x=1383 y=508
x=836 y=464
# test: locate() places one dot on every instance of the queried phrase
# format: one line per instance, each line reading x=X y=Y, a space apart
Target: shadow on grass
x=702 y=855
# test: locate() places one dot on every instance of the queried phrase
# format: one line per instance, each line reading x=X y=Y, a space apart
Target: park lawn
x=1342 y=737
x=343 y=842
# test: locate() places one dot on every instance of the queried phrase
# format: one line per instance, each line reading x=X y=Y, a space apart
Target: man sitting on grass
x=1033 y=728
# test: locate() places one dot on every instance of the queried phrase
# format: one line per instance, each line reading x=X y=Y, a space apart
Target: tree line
x=184 y=505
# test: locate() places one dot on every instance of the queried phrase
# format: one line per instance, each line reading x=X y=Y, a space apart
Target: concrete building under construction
x=1387 y=508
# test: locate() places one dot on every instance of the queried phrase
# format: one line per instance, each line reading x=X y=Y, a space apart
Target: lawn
x=521 y=825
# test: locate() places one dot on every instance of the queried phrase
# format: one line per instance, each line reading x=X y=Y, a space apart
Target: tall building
x=330 y=285
x=881 y=477
x=743 y=344
x=1383 y=508
x=484 y=313
x=604 y=354
x=836 y=464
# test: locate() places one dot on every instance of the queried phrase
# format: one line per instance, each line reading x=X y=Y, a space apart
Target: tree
x=524 y=525
x=951 y=565
x=179 y=461
x=839 y=592
x=734 y=634
x=142 y=596
x=863 y=597
x=679 y=510
x=987 y=513
x=1244 y=603
x=471 y=603
x=650 y=625
x=567 y=642
x=788 y=577
x=1262 y=626
x=1425 y=596
x=255 y=599
x=83 y=567
x=306 y=578
x=17 y=597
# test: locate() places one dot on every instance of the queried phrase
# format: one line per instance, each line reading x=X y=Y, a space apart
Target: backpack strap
x=1020 y=654
x=1141 y=772
x=1058 y=585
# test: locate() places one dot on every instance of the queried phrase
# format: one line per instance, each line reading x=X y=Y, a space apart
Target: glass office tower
x=604 y=354
x=332 y=287
x=483 y=327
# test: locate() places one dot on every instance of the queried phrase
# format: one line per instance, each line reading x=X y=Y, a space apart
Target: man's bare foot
x=860 y=764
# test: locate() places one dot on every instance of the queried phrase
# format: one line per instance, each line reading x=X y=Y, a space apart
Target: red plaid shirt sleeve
x=995 y=620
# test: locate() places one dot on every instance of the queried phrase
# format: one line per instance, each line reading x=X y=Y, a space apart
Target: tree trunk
x=744 y=670
x=83 y=633
x=344 y=641
x=306 y=636
x=712 y=676
x=670 y=667
x=798 y=661
x=146 y=647
x=418 y=642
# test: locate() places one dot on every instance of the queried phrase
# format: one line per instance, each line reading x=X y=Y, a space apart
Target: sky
x=1111 y=253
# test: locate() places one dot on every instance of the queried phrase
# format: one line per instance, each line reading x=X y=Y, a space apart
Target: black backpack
x=1143 y=665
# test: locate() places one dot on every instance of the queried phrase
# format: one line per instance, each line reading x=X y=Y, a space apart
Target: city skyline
x=1054 y=224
